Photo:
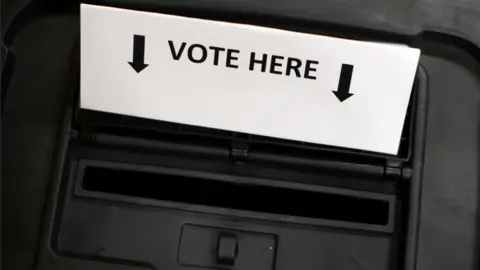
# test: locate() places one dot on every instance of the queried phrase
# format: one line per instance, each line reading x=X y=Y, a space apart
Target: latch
x=227 y=249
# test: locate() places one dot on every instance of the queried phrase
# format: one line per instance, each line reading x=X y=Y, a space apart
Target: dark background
x=449 y=229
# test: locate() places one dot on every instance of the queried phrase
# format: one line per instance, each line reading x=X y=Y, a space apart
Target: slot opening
x=194 y=190
x=148 y=129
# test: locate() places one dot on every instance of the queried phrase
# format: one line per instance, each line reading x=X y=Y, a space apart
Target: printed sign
x=246 y=78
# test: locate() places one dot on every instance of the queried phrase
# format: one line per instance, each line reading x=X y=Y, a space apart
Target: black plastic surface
x=123 y=237
x=450 y=190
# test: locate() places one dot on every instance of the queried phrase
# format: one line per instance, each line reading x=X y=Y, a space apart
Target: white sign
x=246 y=78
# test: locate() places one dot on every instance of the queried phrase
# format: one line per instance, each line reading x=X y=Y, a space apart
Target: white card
x=245 y=78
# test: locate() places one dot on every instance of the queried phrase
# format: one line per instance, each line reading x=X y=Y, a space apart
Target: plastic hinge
x=239 y=151
x=393 y=169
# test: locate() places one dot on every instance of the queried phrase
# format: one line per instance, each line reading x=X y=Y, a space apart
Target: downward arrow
x=138 y=63
x=342 y=92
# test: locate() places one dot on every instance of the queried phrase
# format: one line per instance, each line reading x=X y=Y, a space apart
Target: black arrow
x=342 y=92
x=138 y=63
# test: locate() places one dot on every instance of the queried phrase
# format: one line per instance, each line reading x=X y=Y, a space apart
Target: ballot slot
x=122 y=126
x=135 y=127
x=212 y=191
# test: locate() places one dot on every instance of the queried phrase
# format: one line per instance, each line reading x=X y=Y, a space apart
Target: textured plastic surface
x=450 y=186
